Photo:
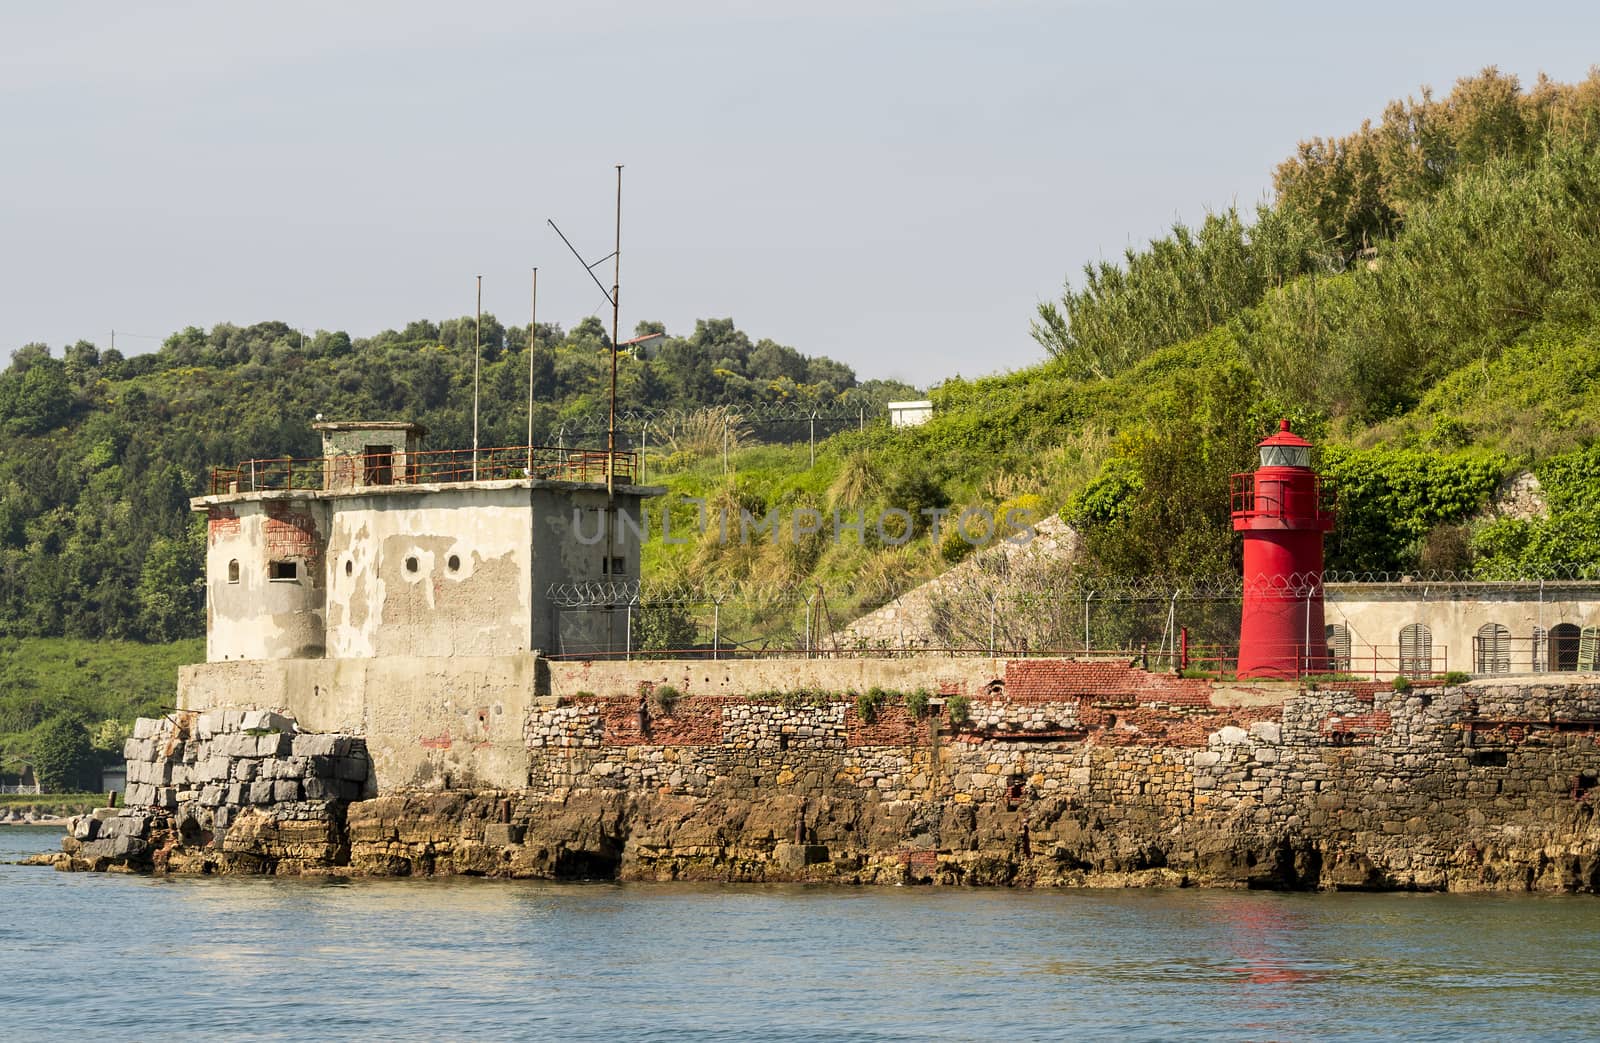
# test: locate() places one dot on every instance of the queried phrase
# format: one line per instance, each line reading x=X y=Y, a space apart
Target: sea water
x=129 y=957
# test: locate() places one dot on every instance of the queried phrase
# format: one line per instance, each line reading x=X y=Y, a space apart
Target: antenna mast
x=533 y=339
x=477 y=354
x=614 y=296
x=616 y=308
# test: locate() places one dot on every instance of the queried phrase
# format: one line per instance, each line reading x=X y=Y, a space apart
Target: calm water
x=127 y=957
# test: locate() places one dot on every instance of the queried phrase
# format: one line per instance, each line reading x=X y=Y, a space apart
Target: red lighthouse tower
x=1282 y=512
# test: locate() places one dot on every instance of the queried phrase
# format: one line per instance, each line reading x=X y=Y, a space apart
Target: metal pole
x=716 y=628
x=627 y=647
x=644 y=448
x=861 y=418
x=1306 y=657
x=477 y=352
x=813 y=438
x=992 y=600
x=727 y=433
x=616 y=311
x=1086 y=598
x=533 y=339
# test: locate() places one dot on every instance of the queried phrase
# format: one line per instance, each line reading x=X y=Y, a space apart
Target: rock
x=312 y=744
x=503 y=834
x=1228 y=736
x=798 y=856
x=1267 y=731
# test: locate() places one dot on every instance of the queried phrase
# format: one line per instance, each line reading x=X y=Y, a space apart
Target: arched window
x=1494 y=649
x=1564 y=639
x=1416 y=650
x=1339 y=648
x=1541 y=650
x=233 y=571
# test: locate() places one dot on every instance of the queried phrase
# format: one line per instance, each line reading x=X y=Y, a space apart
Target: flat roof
x=368 y=425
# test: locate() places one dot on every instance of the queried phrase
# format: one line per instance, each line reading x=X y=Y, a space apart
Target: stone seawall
x=1030 y=772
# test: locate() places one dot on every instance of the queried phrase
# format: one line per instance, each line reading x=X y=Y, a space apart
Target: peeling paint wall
x=414 y=570
x=250 y=614
x=430 y=574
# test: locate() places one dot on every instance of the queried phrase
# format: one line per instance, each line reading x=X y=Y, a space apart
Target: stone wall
x=1037 y=772
x=197 y=779
x=1484 y=786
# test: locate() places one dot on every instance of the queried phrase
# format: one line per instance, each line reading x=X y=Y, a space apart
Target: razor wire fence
x=1161 y=622
x=718 y=428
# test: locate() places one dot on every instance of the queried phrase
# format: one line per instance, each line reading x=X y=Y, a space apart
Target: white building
x=910 y=414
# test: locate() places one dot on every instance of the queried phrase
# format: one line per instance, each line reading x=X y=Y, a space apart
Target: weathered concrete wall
x=408 y=570
x=947 y=674
x=249 y=614
x=576 y=538
x=442 y=572
x=427 y=721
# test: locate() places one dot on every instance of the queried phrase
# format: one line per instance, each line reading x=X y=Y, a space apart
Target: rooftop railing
x=432 y=467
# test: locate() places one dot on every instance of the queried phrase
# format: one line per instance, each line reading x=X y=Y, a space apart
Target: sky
x=894 y=184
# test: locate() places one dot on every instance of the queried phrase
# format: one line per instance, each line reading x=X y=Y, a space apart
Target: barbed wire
x=1036 y=588
x=772 y=412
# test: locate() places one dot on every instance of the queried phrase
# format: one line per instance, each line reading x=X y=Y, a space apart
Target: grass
x=93 y=681
x=54 y=805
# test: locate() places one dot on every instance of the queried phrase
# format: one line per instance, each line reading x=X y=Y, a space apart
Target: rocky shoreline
x=1471 y=788
x=597 y=834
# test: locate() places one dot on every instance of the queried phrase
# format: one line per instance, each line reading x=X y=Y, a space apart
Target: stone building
x=381 y=549
x=1481 y=628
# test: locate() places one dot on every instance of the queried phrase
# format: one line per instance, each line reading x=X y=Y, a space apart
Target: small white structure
x=114 y=777
x=910 y=414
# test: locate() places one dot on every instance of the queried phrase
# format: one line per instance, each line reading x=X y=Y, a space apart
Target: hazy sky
x=895 y=184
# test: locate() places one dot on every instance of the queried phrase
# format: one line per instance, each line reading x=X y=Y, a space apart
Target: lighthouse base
x=1281 y=638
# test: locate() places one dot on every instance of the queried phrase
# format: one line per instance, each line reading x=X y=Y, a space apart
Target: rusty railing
x=434 y=467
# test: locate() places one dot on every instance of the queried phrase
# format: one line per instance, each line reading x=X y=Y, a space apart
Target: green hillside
x=1421 y=297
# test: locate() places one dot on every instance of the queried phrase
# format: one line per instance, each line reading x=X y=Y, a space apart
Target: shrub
x=868 y=704
x=62 y=755
x=664 y=697
x=960 y=708
x=1455 y=677
x=1402 y=684
x=917 y=702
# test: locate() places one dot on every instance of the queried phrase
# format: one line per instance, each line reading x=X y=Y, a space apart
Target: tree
x=171 y=588
x=663 y=626
x=62 y=756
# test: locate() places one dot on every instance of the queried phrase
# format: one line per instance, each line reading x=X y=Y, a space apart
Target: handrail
x=439 y=466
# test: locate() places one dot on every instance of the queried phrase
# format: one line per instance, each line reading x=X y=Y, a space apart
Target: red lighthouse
x=1282 y=512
